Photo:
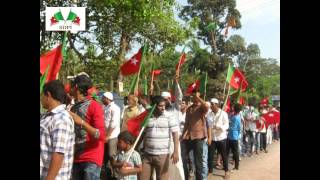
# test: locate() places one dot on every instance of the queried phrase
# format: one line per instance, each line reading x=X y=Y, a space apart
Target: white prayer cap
x=83 y=73
x=214 y=101
x=166 y=94
x=108 y=95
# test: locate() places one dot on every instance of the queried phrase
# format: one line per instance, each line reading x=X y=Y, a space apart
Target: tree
x=211 y=11
x=202 y=14
x=113 y=25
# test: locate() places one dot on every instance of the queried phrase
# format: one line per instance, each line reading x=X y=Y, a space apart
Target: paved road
x=258 y=167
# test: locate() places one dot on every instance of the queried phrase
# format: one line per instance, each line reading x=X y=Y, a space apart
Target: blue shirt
x=234 y=127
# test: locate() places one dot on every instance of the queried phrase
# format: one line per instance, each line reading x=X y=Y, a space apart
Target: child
x=129 y=170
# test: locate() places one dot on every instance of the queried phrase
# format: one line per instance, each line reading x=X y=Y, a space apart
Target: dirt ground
x=265 y=166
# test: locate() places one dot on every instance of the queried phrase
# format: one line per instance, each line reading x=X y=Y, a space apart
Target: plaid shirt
x=56 y=135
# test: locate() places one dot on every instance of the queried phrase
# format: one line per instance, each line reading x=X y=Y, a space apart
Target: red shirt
x=258 y=124
x=276 y=115
x=271 y=118
x=88 y=148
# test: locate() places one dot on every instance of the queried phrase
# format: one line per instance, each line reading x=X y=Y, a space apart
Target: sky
x=260 y=21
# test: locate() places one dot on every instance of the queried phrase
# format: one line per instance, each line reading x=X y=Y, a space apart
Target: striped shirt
x=56 y=135
x=134 y=161
x=157 y=134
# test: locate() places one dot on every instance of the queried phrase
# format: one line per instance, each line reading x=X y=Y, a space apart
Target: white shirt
x=251 y=117
x=181 y=121
x=141 y=108
x=221 y=121
x=112 y=119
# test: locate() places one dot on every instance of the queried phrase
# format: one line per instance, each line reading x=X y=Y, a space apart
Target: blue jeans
x=187 y=157
x=200 y=154
x=86 y=171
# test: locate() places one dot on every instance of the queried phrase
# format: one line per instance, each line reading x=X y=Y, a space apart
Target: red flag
x=92 y=91
x=193 y=86
x=235 y=78
x=156 y=72
x=181 y=60
x=54 y=59
x=228 y=106
x=132 y=65
x=271 y=118
x=67 y=88
x=173 y=97
x=276 y=115
x=241 y=100
x=264 y=101
x=134 y=124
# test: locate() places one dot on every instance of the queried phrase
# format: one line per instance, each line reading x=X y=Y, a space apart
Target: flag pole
x=205 y=87
x=178 y=70
x=225 y=83
x=135 y=144
x=225 y=102
x=140 y=133
x=152 y=78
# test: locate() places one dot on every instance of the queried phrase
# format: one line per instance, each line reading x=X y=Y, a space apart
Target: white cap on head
x=83 y=73
x=166 y=94
x=214 y=101
x=108 y=95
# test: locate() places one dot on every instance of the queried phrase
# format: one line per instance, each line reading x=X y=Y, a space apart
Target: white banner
x=65 y=19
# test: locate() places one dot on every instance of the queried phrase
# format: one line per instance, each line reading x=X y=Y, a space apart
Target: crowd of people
x=83 y=139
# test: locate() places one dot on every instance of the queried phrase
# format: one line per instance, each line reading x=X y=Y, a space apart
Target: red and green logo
x=58 y=17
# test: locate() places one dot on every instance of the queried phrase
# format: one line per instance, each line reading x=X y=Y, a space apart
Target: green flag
x=233 y=91
x=43 y=79
x=133 y=84
x=239 y=94
x=145 y=86
x=64 y=45
x=96 y=97
x=203 y=83
x=144 y=51
x=270 y=101
x=72 y=16
x=58 y=16
x=146 y=120
x=211 y=27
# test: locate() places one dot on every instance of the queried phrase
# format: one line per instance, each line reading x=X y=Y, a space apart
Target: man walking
x=90 y=131
x=112 y=127
x=196 y=130
x=56 y=134
x=157 y=142
x=218 y=125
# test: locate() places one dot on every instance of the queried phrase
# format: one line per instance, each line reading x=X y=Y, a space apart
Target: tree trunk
x=213 y=43
x=111 y=84
x=124 y=42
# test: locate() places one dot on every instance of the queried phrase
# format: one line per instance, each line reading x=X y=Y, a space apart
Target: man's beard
x=168 y=105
